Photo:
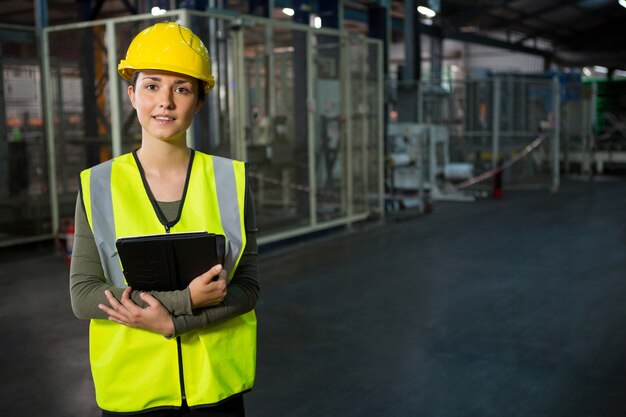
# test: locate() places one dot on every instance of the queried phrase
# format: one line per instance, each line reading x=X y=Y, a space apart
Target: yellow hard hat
x=169 y=47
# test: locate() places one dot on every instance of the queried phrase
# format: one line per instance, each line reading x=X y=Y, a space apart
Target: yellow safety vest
x=134 y=369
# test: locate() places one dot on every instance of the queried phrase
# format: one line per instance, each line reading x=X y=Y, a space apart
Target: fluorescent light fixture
x=619 y=73
x=157 y=11
x=587 y=72
x=601 y=70
x=317 y=22
x=622 y=3
x=288 y=11
x=430 y=13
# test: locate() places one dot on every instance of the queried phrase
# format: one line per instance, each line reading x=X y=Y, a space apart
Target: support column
x=302 y=10
x=331 y=13
x=41 y=15
x=436 y=58
x=88 y=79
x=495 y=127
x=556 y=144
x=209 y=137
x=408 y=82
x=412 y=45
x=5 y=174
x=114 y=91
x=379 y=27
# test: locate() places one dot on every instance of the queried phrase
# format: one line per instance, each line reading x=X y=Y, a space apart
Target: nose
x=166 y=99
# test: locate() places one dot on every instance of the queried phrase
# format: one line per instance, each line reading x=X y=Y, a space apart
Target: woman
x=172 y=353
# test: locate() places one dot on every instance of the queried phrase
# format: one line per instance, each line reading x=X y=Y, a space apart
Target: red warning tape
x=488 y=174
x=471 y=181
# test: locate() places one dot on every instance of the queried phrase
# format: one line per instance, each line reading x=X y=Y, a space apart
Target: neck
x=163 y=156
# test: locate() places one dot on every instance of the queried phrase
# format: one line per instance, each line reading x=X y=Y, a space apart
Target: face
x=165 y=103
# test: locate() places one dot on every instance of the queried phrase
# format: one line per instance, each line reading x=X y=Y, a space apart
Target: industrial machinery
x=419 y=165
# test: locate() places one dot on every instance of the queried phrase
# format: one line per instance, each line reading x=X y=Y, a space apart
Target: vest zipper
x=179 y=350
x=180 y=370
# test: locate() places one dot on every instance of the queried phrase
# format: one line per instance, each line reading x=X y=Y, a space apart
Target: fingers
x=124 y=311
x=150 y=300
x=111 y=298
x=154 y=317
x=221 y=285
x=209 y=288
x=115 y=306
x=224 y=275
x=128 y=303
x=209 y=275
x=126 y=295
x=116 y=312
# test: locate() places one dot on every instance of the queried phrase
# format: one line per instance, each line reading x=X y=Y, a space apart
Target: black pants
x=232 y=407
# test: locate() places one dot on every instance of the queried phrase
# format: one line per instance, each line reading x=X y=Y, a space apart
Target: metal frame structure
x=492 y=117
x=237 y=108
x=16 y=33
x=501 y=130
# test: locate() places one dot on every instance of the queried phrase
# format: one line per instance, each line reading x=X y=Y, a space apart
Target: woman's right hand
x=209 y=289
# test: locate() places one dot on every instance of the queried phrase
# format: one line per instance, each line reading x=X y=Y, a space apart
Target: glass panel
x=330 y=140
x=373 y=165
x=79 y=96
x=258 y=111
x=363 y=70
x=525 y=106
x=130 y=127
x=275 y=117
x=24 y=199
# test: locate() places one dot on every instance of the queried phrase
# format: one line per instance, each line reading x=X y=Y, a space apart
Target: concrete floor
x=493 y=308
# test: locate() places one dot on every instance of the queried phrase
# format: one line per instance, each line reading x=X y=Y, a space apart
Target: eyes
x=180 y=89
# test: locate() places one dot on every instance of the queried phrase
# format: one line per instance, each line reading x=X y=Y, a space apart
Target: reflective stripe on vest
x=229 y=211
x=135 y=370
x=103 y=224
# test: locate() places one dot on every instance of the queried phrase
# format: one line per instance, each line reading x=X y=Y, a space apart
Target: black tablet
x=169 y=261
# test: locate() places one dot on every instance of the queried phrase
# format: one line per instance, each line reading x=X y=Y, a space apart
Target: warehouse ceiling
x=583 y=32
x=568 y=32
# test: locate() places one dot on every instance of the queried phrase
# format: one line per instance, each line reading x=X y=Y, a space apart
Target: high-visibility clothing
x=135 y=369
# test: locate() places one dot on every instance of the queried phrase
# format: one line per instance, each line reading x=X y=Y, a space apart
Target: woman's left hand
x=154 y=318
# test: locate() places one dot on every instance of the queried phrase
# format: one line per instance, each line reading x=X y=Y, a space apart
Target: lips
x=163 y=118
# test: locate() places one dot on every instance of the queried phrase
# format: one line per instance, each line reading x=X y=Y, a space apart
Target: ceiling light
x=317 y=22
x=587 y=72
x=288 y=11
x=622 y=3
x=157 y=11
x=601 y=70
x=430 y=13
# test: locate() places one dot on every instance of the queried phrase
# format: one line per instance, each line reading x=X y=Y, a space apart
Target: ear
x=199 y=104
x=131 y=95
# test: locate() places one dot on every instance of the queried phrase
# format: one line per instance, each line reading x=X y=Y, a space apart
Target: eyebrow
x=158 y=79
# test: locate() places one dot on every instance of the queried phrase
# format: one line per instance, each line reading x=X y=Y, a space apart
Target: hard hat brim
x=126 y=71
